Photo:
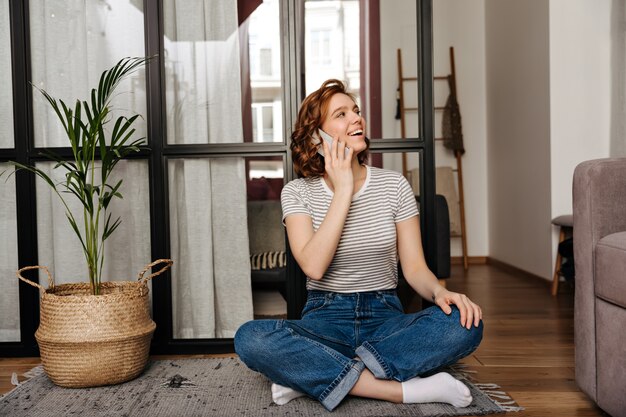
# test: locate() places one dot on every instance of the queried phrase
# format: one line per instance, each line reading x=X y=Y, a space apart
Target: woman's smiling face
x=343 y=121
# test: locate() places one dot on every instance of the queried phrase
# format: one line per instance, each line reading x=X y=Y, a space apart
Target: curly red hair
x=306 y=161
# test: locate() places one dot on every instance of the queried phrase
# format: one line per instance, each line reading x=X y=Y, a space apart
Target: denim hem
x=341 y=386
x=373 y=361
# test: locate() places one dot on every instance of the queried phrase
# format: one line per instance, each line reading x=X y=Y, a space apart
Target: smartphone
x=327 y=138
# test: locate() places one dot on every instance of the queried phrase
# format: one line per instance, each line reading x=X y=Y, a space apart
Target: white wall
x=458 y=24
x=617 y=16
x=398 y=30
x=580 y=93
x=518 y=131
x=461 y=24
x=534 y=83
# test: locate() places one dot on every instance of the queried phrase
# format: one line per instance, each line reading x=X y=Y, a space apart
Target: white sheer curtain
x=72 y=42
x=127 y=251
x=9 y=293
x=9 y=307
x=6 y=98
x=211 y=288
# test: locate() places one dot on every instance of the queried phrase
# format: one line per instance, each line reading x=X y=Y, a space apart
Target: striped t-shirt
x=367 y=257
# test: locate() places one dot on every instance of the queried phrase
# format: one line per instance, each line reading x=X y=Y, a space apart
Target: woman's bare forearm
x=315 y=254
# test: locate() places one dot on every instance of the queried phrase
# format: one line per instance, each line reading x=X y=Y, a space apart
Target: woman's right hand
x=338 y=166
x=314 y=250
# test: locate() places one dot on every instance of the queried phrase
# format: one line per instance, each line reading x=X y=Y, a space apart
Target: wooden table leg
x=557 y=265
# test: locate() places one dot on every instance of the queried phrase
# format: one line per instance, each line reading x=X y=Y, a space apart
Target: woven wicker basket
x=90 y=340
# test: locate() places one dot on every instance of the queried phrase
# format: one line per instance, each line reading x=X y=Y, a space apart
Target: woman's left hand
x=470 y=311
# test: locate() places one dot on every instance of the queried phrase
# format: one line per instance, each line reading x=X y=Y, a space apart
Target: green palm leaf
x=84 y=128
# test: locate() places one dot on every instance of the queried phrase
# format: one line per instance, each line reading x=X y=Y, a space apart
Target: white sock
x=438 y=388
x=282 y=395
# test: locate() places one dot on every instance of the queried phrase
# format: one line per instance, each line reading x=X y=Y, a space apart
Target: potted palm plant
x=94 y=333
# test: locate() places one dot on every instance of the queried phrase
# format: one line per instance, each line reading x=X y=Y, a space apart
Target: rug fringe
x=36 y=371
x=16 y=382
x=461 y=369
x=493 y=391
x=497 y=394
x=512 y=408
x=487 y=386
x=501 y=398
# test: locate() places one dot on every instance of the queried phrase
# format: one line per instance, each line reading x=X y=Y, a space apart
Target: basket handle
x=34 y=284
x=168 y=263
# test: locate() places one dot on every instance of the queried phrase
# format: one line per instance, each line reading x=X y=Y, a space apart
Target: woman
x=348 y=224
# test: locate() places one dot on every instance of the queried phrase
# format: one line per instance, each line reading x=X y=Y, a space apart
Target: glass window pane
x=446 y=181
x=402 y=162
x=6 y=98
x=71 y=44
x=221 y=61
x=9 y=296
x=331 y=43
x=211 y=291
x=127 y=250
x=399 y=51
x=265 y=178
x=365 y=57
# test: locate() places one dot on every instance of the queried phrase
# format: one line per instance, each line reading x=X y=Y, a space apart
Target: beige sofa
x=600 y=262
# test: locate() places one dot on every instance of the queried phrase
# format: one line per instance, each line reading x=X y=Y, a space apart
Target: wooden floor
x=528 y=342
x=527 y=349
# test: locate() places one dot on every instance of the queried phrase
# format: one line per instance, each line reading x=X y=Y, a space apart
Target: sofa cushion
x=265 y=227
x=610 y=268
x=268 y=260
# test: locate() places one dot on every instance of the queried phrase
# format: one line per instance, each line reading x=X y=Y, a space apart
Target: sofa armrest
x=599 y=197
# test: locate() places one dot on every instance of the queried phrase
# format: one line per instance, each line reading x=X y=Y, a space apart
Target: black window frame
x=291 y=18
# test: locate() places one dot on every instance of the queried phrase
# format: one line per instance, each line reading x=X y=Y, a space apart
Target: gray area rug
x=214 y=387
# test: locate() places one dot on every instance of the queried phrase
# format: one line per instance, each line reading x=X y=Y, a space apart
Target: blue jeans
x=324 y=353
